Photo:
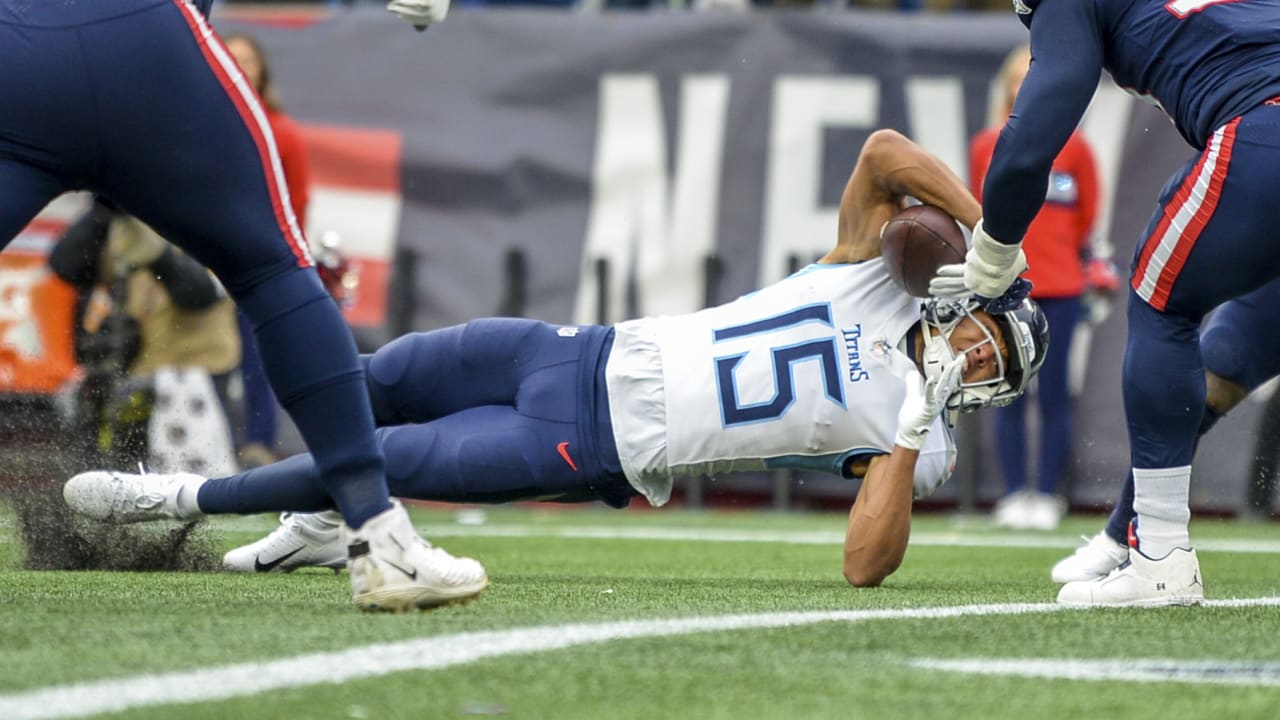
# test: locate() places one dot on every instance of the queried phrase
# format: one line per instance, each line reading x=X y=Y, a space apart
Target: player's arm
x=1066 y=46
x=1066 y=50
x=1066 y=63
x=880 y=520
x=890 y=168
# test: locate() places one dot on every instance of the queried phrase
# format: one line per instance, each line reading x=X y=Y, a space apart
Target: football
x=918 y=241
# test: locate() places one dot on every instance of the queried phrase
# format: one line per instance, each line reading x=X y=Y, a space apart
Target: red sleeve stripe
x=255 y=119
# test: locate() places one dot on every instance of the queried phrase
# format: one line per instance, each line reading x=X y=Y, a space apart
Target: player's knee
x=379 y=400
x=1226 y=352
x=388 y=371
x=279 y=295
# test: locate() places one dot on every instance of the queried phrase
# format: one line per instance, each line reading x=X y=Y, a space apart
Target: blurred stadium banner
x=622 y=153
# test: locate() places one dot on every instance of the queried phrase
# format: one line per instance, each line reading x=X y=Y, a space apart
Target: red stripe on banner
x=245 y=104
x=1164 y=286
x=354 y=158
x=1170 y=211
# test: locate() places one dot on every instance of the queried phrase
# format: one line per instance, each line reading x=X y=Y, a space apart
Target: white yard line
x=805 y=537
x=433 y=653
x=947 y=538
x=1149 y=670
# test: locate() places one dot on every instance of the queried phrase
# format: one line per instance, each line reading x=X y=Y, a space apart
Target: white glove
x=989 y=268
x=925 y=402
x=420 y=13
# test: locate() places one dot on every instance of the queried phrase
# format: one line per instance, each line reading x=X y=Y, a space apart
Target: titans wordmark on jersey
x=802 y=374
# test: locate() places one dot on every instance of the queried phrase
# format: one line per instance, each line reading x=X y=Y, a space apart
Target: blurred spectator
x=156 y=337
x=257 y=438
x=1056 y=244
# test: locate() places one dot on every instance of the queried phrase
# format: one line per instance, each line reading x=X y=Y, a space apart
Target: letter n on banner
x=649 y=230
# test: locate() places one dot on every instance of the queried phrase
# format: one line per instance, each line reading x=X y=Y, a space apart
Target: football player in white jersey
x=834 y=368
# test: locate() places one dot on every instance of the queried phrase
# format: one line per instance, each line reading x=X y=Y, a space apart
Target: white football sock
x=1161 y=498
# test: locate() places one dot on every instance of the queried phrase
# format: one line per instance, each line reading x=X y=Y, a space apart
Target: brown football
x=918 y=241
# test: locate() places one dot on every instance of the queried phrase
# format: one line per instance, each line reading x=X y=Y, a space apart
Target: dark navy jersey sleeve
x=203 y=6
x=1066 y=48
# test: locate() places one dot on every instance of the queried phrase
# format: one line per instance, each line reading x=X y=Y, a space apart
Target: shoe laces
x=141 y=501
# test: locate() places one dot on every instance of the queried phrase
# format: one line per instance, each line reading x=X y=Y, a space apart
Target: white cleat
x=394 y=570
x=1011 y=510
x=120 y=498
x=1141 y=582
x=1096 y=558
x=301 y=540
x=1029 y=510
x=1044 y=512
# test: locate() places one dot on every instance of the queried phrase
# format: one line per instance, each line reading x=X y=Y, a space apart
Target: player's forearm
x=901 y=167
x=1053 y=98
x=880 y=521
x=931 y=182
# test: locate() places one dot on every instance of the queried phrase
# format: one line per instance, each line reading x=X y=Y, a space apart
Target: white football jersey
x=802 y=374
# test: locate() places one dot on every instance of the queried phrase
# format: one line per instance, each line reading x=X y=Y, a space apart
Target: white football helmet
x=1025 y=333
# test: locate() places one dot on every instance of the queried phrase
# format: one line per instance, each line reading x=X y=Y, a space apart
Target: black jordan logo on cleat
x=411 y=575
x=259 y=566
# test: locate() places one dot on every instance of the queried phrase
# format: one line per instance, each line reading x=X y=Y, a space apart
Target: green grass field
x=569 y=629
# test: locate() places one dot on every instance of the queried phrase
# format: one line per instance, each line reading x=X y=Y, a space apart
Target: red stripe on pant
x=1159 y=297
x=255 y=120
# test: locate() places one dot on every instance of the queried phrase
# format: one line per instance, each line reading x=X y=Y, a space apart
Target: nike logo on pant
x=563 y=449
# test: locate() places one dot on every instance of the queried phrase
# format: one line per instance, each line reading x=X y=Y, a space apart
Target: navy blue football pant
x=1238 y=343
x=1211 y=241
x=137 y=101
x=496 y=410
x=1054 y=402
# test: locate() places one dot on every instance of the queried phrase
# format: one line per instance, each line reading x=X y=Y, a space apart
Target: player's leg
x=496 y=436
x=489 y=454
x=423 y=376
x=258 y=440
x=42 y=142
x=1239 y=355
x=190 y=152
x=1011 y=448
x=1054 y=400
x=25 y=190
x=1205 y=246
x=192 y=155
x=506 y=420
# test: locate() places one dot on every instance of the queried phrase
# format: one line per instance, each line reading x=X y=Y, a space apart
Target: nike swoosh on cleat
x=411 y=575
x=259 y=566
x=563 y=449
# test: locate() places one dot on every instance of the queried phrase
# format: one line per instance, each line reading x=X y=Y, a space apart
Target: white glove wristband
x=990 y=265
x=420 y=13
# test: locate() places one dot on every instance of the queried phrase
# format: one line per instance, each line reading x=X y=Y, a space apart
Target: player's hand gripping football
x=989 y=268
x=925 y=402
x=420 y=13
